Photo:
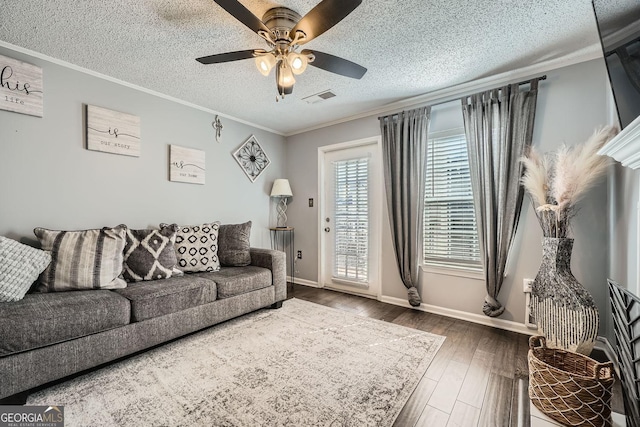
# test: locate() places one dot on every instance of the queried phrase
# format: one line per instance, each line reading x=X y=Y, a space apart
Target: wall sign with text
x=20 y=87
x=112 y=131
x=186 y=165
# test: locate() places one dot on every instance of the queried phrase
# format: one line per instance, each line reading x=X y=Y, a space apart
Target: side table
x=282 y=238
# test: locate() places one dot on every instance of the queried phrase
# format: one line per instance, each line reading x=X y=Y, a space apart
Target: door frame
x=378 y=204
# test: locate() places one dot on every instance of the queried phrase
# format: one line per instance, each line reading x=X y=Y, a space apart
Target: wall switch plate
x=310 y=203
x=526 y=285
x=299 y=256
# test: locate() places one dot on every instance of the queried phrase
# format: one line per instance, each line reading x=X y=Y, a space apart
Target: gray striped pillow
x=87 y=259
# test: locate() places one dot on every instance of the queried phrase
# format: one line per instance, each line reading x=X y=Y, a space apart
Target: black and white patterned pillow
x=150 y=254
x=85 y=259
x=197 y=247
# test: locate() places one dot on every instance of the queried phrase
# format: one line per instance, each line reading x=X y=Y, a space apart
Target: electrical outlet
x=299 y=256
x=526 y=285
x=310 y=203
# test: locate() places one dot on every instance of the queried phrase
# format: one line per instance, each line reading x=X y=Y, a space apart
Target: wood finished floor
x=473 y=379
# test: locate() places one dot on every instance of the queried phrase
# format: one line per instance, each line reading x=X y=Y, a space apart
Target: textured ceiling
x=410 y=47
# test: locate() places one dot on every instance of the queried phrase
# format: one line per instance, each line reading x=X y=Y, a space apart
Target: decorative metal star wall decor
x=252 y=158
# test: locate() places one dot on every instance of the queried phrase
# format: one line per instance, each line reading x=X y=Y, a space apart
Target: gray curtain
x=404 y=149
x=499 y=127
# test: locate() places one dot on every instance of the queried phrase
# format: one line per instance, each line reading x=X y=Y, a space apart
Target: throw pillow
x=197 y=247
x=20 y=266
x=235 y=245
x=87 y=259
x=150 y=254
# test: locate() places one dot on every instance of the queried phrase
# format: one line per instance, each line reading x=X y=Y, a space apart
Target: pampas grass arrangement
x=557 y=181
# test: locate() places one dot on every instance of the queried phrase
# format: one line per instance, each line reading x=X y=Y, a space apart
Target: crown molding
x=80 y=69
x=443 y=95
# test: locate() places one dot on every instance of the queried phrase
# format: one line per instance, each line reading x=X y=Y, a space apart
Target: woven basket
x=568 y=387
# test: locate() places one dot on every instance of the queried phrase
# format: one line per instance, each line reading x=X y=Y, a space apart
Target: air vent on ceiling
x=322 y=96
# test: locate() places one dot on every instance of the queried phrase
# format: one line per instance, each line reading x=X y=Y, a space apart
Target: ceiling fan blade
x=336 y=64
x=228 y=57
x=242 y=14
x=325 y=15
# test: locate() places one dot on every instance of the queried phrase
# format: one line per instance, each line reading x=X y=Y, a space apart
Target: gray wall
x=49 y=179
x=569 y=107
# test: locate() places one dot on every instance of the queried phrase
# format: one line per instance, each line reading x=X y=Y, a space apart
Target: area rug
x=301 y=365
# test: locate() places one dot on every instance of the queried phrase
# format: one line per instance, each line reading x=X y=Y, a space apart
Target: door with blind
x=349 y=221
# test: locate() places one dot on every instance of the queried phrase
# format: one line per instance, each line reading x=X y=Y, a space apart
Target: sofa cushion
x=160 y=297
x=197 y=247
x=235 y=245
x=150 y=254
x=87 y=259
x=20 y=266
x=232 y=281
x=41 y=319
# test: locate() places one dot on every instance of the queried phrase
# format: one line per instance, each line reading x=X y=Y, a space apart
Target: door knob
x=327 y=229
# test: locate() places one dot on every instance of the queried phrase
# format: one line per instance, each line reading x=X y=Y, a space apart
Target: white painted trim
x=448 y=94
x=507 y=325
x=303 y=282
x=625 y=147
x=130 y=85
x=442 y=95
x=453 y=271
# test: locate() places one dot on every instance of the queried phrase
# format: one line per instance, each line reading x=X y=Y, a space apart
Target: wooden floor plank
x=504 y=362
x=464 y=415
x=443 y=356
x=416 y=404
x=475 y=382
x=496 y=407
x=446 y=393
x=468 y=343
x=432 y=417
x=521 y=364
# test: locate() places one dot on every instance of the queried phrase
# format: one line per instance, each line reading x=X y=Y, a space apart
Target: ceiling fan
x=285 y=31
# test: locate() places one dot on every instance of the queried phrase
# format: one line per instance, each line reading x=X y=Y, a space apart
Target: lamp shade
x=281 y=188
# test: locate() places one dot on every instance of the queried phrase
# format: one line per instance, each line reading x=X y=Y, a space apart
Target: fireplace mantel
x=625 y=147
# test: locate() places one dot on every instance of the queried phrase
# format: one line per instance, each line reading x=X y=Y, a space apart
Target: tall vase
x=565 y=312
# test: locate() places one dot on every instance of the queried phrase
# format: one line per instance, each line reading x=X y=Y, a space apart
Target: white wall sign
x=186 y=165
x=112 y=131
x=20 y=87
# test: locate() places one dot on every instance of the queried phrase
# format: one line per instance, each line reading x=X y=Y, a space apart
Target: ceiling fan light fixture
x=298 y=62
x=265 y=63
x=284 y=78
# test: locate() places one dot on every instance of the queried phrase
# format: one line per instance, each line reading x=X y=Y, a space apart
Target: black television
x=619 y=28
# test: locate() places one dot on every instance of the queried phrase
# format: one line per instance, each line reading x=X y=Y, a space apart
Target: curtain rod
x=524 y=82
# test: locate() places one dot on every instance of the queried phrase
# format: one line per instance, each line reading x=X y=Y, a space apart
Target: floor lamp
x=281 y=189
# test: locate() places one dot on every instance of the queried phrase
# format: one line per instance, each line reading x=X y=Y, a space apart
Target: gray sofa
x=49 y=336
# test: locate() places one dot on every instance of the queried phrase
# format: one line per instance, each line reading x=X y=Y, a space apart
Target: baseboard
x=507 y=325
x=304 y=282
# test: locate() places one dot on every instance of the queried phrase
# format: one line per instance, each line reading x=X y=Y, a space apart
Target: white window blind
x=351 y=219
x=450 y=232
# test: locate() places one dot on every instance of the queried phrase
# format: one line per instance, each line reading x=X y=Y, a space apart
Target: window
x=450 y=234
x=351 y=218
